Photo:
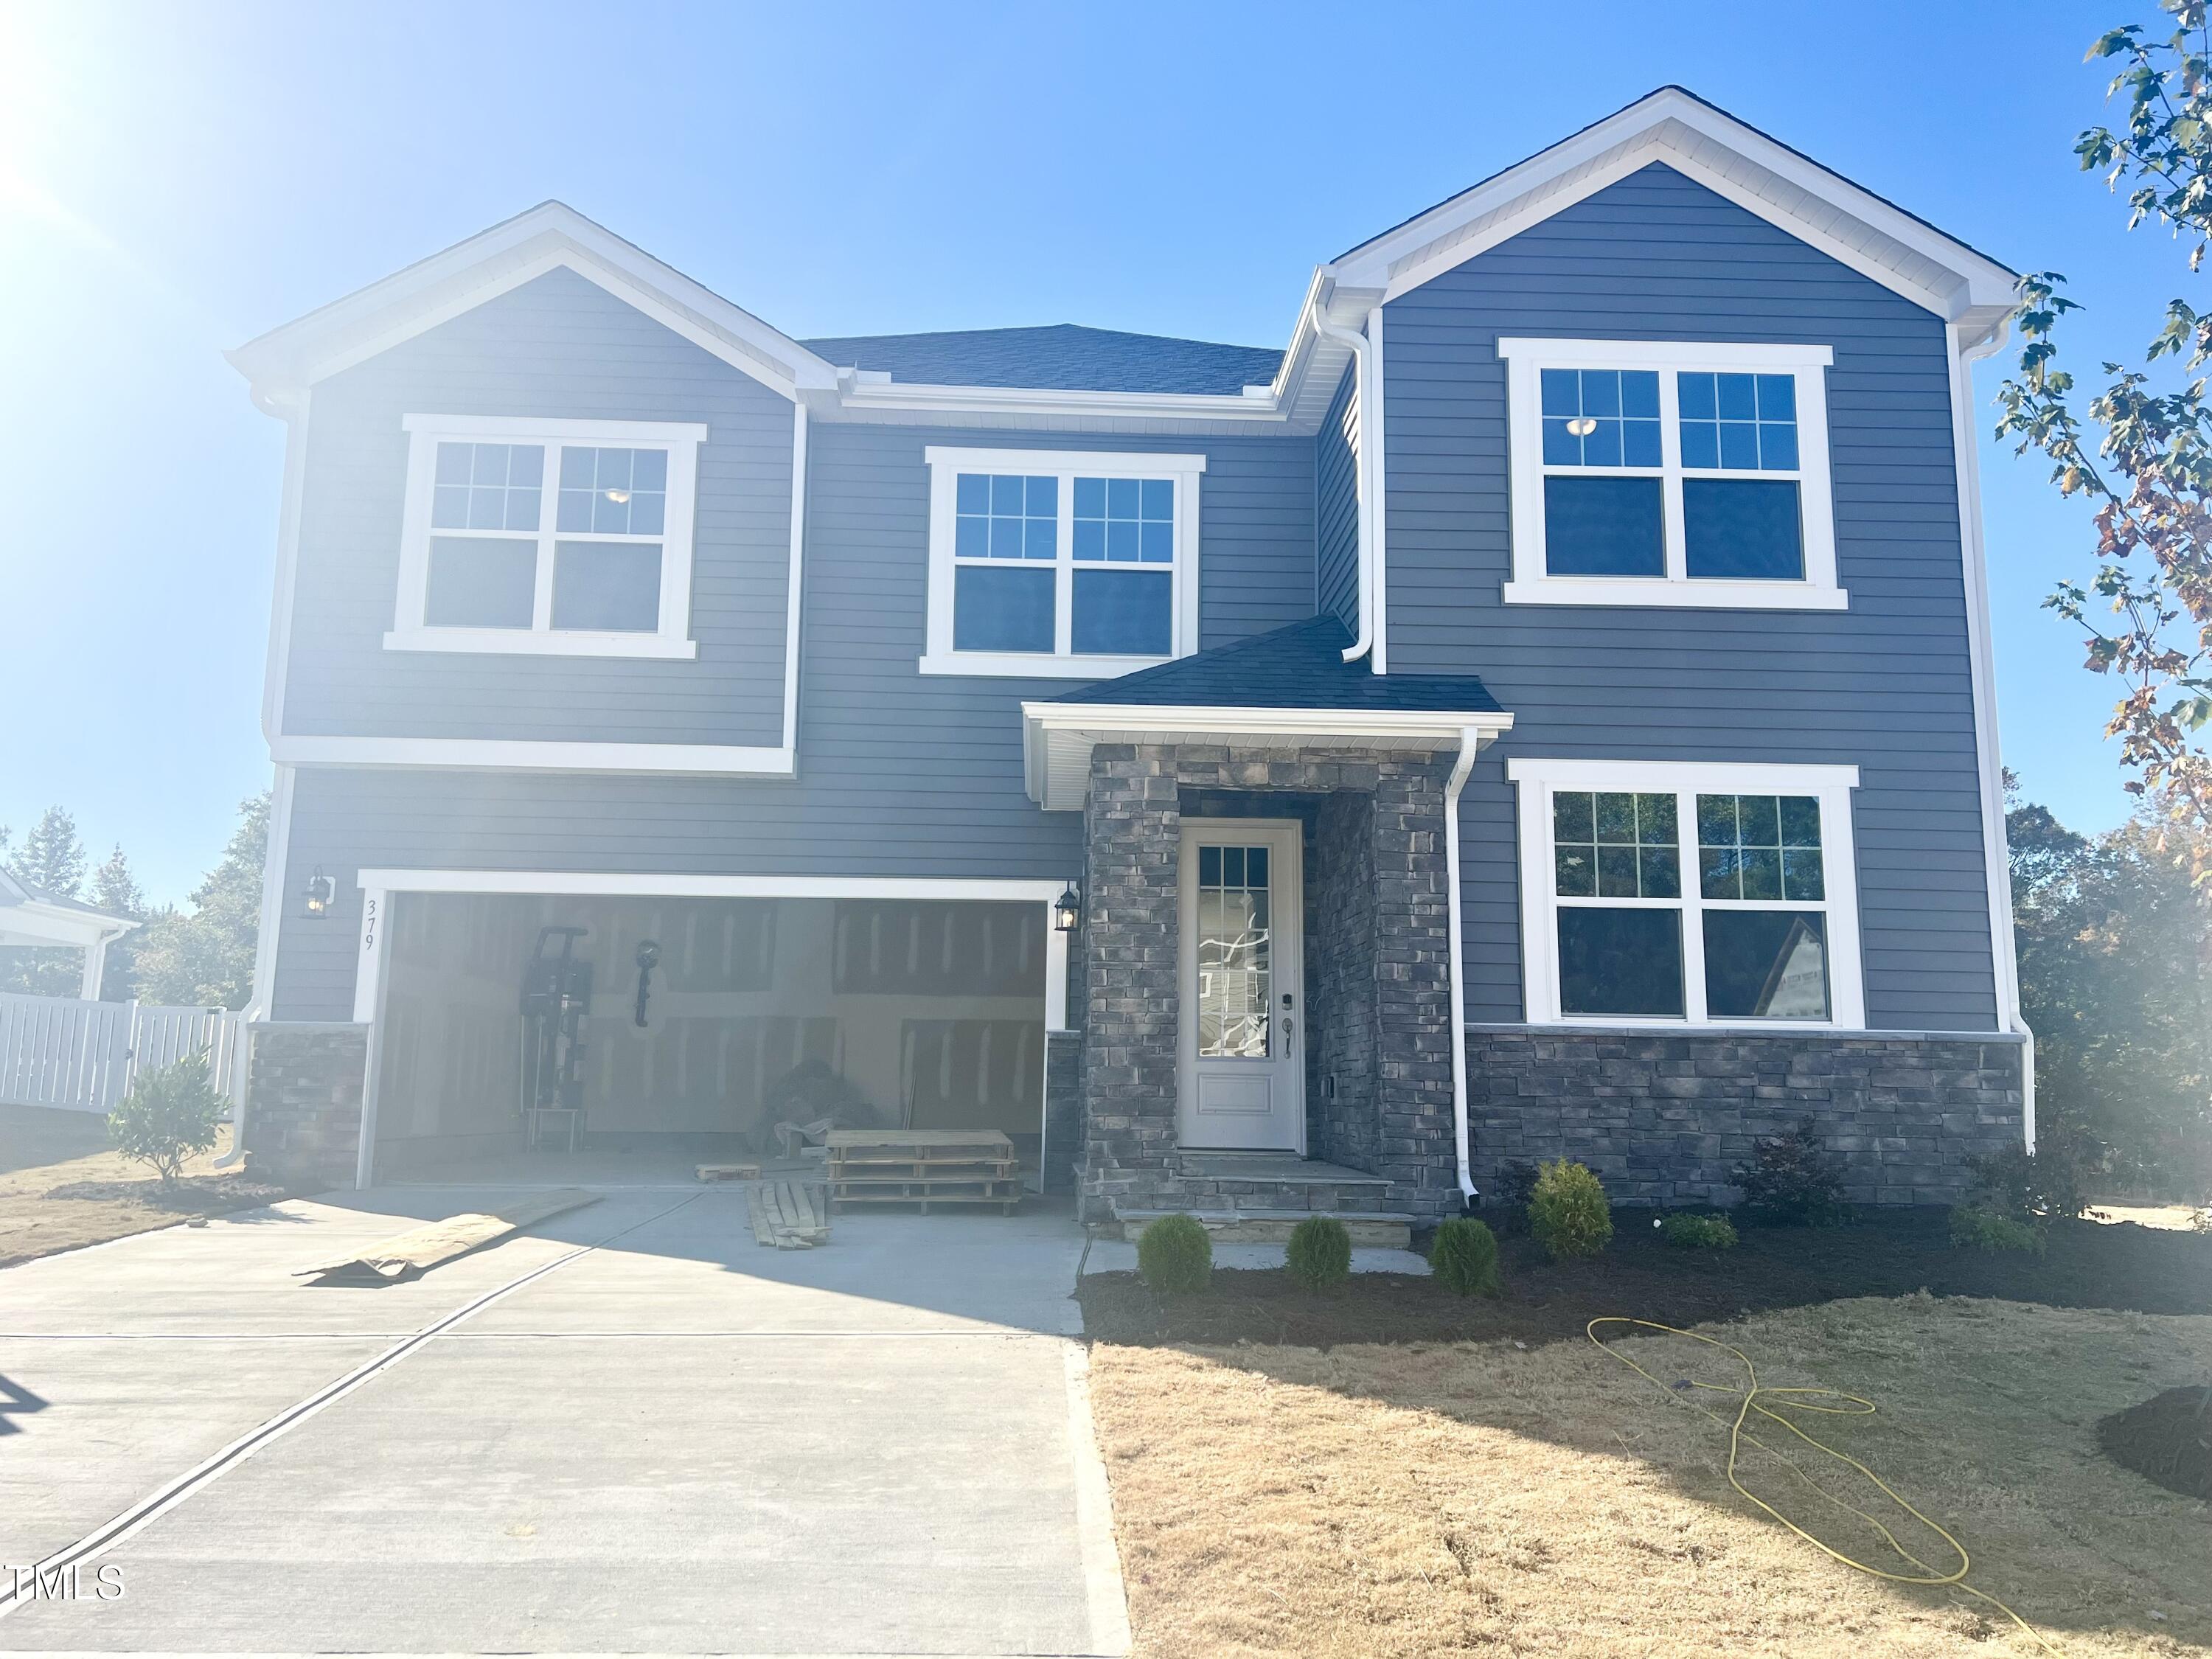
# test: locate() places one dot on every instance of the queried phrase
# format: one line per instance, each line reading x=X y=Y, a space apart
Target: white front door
x=1241 y=1081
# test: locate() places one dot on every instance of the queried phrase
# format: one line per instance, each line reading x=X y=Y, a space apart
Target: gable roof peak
x=1760 y=173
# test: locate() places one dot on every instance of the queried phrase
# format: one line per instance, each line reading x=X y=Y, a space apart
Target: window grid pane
x=1739 y=422
x=1615 y=845
x=1125 y=520
x=613 y=492
x=487 y=487
x=1005 y=516
x=1601 y=417
x=1760 y=847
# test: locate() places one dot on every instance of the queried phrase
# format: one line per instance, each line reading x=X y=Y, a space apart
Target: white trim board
x=502 y=754
x=1057 y=737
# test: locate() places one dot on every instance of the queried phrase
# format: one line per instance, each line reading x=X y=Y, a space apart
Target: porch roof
x=1290 y=687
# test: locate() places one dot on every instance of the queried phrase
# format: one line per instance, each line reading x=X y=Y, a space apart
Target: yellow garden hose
x=1754 y=1397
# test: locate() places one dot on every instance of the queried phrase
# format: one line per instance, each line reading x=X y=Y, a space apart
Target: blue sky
x=174 y=180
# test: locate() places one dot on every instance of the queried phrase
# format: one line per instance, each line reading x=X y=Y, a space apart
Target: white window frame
x=679 y=440
x=945 y=465
x=1532 y=584
x=1537 y=782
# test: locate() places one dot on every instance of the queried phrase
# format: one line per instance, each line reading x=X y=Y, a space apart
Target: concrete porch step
x=1369 y=1228
x=1279 y=1168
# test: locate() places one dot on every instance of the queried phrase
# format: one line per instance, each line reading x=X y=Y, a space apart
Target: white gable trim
x=548 y=237
x=1853 y=226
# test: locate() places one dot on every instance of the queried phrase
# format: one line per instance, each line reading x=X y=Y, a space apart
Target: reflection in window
x=1235 y=943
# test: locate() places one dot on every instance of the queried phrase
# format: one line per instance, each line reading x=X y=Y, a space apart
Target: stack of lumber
x=945 y=1168
x=790 y=1215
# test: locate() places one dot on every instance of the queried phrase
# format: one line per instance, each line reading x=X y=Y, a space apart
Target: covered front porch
x=1268 y=958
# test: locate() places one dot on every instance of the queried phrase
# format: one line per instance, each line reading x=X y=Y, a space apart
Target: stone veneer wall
x=1132 y=830
x=303 y=1102
x=1063 y=1097
x=1342 y=1006
x=1664 y=1117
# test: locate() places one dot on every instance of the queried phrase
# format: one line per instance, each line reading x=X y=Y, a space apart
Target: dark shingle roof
x=1064 y=357
x=1301 y=667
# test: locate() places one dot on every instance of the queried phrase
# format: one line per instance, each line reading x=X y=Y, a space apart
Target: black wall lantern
x=321 y=892
x=1067 y=910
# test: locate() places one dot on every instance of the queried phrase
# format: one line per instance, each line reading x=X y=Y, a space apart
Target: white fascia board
x=549 y=236
x=894 y=398
x=1876 y=238
x=1055 y=735
x=31 y=922
x=1716 y=777
x=501 y=754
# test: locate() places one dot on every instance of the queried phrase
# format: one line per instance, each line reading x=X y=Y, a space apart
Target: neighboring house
x=1546 y=708
x=32 y=917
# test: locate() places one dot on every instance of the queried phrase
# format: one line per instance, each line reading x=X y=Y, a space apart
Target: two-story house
x=1545 y=709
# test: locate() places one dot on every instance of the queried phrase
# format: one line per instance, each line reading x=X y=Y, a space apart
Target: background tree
x=51 y=857
x=205 y=958
x=2112 y=944
x=2144 y=456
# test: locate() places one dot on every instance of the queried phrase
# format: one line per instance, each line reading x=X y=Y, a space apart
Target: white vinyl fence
x=82 y=1056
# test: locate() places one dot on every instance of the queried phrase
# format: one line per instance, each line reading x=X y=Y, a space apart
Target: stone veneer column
x=303 y=1102
x=1132 y=826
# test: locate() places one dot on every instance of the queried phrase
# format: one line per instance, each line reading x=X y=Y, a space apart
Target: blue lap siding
x=1883 y=685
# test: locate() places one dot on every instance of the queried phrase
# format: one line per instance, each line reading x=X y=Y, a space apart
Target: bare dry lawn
x=103 y=1195
x=1483 y=1498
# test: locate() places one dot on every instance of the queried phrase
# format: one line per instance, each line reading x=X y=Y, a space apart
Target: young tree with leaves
x=2143 y=455
x=204 y=957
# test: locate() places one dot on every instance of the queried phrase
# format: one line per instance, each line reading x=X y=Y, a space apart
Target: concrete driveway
x=644 y=1432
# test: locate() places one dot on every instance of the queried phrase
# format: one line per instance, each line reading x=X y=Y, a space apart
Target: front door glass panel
x=1235 y=948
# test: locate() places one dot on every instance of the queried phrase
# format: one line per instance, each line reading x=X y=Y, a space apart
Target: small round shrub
x=1319 y=1256
x=1174 y=1256
x=1976 y=1226
x=1568 y=1211
x=1793 y=1179
x=1463 y=1257
x=171 y=1113
x=1698 y=1232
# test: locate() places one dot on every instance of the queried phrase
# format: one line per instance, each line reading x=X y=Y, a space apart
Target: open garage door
x=754 y=1011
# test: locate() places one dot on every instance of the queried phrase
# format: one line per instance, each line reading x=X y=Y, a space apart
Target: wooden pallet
x=788 y=1215
x=923 y=1167
x=729 y=1172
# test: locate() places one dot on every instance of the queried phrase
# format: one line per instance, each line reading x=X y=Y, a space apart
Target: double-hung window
x=1685 y=894
x=1651 y=473
x=560 y=538
x=1061 y=562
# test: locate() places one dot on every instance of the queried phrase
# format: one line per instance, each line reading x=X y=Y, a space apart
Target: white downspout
x=1363 y=380
x=1469 y=740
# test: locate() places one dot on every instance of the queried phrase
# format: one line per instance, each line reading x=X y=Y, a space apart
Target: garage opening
x=685 y=1030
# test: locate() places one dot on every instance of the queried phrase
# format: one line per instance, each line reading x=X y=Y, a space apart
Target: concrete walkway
x=669 y=1439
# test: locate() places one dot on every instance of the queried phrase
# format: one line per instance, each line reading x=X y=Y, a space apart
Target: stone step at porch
x=1273 y=1181
x=1369 y=1230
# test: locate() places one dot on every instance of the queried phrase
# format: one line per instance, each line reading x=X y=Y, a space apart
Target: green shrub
x=1320 y=1253
x=1793 y=1181
x=1976 y=1226
x=1697 y=1232
x=172 y=1112
x=1464 y=1256
x=1174 y=1256
x=2051 y=1182
x=1568 y=1211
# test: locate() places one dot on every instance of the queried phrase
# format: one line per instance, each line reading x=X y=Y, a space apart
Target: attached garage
x=686 y=1026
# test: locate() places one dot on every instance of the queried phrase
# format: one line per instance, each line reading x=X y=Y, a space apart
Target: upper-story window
x=1659 y=473
x=562 y=538
x=1061 y=562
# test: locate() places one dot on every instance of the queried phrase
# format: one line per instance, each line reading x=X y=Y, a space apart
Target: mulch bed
x=2167 y=1439
x=191 y=1195
x=1886 y=1253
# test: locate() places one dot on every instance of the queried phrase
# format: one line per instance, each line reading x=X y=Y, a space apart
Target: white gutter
x=1981 y=661
x=1470 y=740
x=1363 y=374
